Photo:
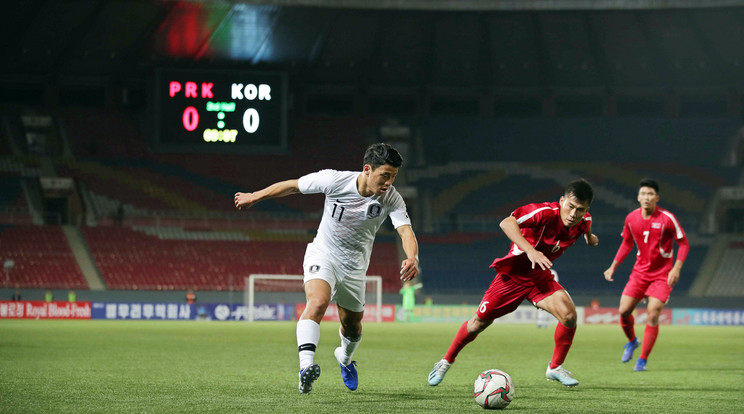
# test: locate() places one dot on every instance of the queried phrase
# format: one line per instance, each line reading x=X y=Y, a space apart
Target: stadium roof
x=499 y=44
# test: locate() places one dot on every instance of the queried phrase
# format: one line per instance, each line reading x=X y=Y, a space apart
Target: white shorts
x=347 y=290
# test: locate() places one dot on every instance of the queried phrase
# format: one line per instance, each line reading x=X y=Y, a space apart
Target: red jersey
x=654 y=238
x=541 y=225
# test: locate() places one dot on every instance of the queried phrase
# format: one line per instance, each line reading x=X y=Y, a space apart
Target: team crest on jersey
x=314 y=268
x=655 y=225
x=374 y=210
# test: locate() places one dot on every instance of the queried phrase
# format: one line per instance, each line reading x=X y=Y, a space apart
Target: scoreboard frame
x=213 y=111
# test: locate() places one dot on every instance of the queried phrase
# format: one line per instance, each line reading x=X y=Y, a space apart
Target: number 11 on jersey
x=340 y=213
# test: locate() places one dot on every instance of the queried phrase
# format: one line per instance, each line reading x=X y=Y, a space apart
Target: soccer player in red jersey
x=539 y=233
x=653 y=230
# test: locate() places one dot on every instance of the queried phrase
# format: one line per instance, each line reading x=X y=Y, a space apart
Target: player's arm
x=280 y=189
x=625 y=247
x=511 y=228
x=591 y=238
x=409 y=267
x=684 y=248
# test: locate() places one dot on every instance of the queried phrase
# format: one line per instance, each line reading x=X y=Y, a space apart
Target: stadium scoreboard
x=220 y=111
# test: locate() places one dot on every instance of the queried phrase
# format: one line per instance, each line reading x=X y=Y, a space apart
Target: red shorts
x=639 y=287
x=505 y=295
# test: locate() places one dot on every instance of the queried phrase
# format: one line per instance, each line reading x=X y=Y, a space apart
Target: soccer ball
x=493 y=389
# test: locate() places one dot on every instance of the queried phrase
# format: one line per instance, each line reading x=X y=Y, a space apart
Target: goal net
x=264 y=288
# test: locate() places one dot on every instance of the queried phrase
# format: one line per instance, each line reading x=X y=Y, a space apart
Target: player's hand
x=245 y=200
x=592 y=240
x=538 y=258
x=608 y=274
x=673 y=277
x=408 y=269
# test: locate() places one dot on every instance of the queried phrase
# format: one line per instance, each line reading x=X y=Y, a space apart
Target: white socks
x=347 y=348
x=308 y=335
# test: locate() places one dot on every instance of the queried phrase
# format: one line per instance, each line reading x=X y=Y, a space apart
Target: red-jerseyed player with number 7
x=539 y=233
x=654 y=230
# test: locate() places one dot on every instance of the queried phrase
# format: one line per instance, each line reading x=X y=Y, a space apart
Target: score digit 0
x=250 y=120
x=190 y=118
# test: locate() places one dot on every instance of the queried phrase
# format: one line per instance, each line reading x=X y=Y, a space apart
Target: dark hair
x=647 y=182
x=581 y=189
x=382 y=154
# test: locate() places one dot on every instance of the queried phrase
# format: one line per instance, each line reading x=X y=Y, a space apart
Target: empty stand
x=728 y=279
x=459 y=262
x=42 y=258
x=178 y=259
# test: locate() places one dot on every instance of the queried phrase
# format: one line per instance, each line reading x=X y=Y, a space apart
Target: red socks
x=649 y=339
x=563 y=340
x=628 y=327
x=461 y=339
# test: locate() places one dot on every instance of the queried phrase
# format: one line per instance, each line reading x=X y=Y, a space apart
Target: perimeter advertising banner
x=44 y=310
x=708 y=317
x=370 y=312
x=458 y=313
x=183 y=311
x=612 y=316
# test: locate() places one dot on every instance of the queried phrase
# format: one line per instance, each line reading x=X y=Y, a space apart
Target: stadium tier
x=163 y=258
x=459 y=263
x=42 y=258
x=11 y=193
x=140 y=180
x=102 y=133
x=728 y=279
x=698 y=141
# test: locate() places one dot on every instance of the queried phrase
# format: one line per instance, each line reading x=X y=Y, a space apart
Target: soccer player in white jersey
x=336 y=262
x=653 y=230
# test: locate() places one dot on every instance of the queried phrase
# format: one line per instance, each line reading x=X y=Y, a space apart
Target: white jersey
x=350 y=221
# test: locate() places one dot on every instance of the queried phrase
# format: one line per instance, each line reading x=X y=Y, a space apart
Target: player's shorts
x=347 y=291
x=639 y=287
x=505 y=295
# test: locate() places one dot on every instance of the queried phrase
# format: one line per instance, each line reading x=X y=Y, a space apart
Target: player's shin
x=649 y=339
x=628 y=325
x=563 y=340
x=462 y=338
x=308 y=335
x=348 y=346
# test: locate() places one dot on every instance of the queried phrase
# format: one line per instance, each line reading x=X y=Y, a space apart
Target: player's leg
x=560 y=305
x=350 y=332
x=350 y=298
x=655 y=306
x=633 y=293
x=467 y=333
x=502 y=297
x=627 y=321
x=317 y=295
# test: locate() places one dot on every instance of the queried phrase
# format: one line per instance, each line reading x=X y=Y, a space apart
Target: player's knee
x=652 y=318
x=316 y=306
x=352 y=330
x=476 y=325
x=568 y=319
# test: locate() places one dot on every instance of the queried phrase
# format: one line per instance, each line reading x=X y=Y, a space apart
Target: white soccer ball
x=493 y=389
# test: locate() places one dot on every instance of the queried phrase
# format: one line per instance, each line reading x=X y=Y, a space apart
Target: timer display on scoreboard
x=221 y=110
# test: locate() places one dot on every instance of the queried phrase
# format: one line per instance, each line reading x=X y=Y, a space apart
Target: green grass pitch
x=224 y=367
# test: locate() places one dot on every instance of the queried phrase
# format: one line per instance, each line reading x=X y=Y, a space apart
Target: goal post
x=255 y=283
